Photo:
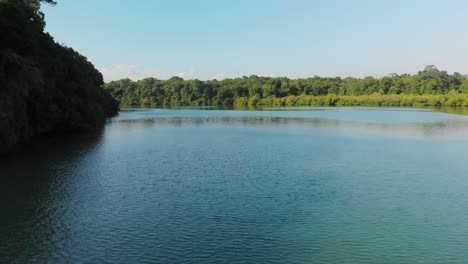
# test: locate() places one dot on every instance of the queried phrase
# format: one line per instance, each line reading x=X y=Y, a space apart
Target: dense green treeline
x=429 y=87
x=407 y=100
x=44 y=86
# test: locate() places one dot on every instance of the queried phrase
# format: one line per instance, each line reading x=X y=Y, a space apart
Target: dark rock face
x=44 y=87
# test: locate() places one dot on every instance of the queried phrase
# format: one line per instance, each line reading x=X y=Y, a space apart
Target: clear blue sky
x=209 y=39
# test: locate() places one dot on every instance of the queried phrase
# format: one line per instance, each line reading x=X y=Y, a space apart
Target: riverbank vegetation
x=45 y=87
x=430 y=87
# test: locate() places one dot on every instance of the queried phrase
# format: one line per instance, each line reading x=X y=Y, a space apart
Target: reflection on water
x=445 y=129
x=444 y=109
x=356 y=114
x=318 y=185
x=35 y=185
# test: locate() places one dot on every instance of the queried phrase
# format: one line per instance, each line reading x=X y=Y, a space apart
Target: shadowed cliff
x=44 y=86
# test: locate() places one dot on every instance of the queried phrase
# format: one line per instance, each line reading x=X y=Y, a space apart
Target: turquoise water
x=288 y=185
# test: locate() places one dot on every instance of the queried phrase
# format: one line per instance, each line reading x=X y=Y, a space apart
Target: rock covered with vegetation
x=430 y=86
x=44 y=86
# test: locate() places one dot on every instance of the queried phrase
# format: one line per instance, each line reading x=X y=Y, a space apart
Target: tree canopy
x=254 y=90
x=44 y=86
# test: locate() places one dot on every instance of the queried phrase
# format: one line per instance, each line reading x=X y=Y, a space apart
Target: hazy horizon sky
x=208 y=39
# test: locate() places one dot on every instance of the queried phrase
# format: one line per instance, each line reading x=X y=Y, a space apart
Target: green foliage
x=429 y=87
x=44 y=87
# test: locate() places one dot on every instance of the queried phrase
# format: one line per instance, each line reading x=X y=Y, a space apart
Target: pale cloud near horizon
x=134 y=72
x=187 y=75
x=271 y=75
x=220 y=76
x=137 y=72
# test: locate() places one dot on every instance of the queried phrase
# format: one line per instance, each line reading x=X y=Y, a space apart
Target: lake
x=278 y=185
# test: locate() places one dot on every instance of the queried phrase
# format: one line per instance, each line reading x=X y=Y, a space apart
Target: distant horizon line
x=272 y=76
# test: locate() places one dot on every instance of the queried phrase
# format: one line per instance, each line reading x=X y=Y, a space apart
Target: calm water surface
x=287 y=185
